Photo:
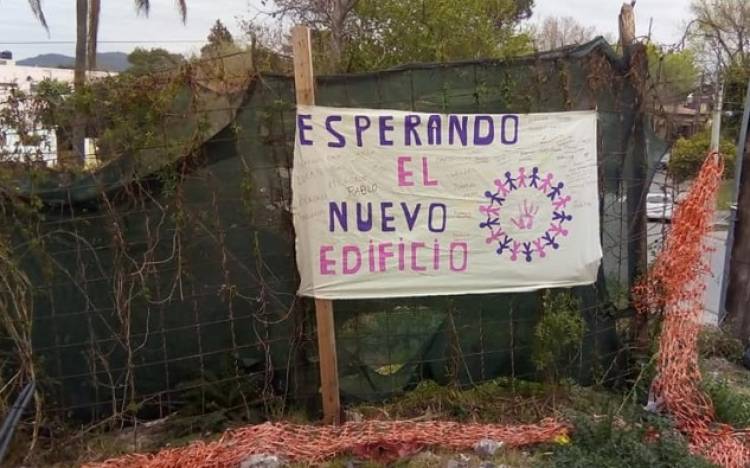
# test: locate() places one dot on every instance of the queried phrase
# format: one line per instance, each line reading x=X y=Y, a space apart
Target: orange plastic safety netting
x=381 y=440
x=674 y=285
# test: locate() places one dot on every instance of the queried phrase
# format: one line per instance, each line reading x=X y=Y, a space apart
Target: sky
x=119 y=22
x=22 y=34
x=670 y=16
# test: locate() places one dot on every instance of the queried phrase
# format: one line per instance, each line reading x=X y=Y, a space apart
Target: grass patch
x=724 y=198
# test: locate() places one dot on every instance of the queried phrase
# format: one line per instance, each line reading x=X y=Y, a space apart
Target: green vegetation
x=360 y=35
x=220 y=40
x=433 y=31
x=558 y=334
x=731 y=403
x=728 y=385
x=607 y=430
x=724 y=199
x=674 y=74
x=145 y=61
x=612 y=442
x=688 y=155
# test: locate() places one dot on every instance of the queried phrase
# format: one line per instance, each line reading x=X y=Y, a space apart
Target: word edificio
x=378 y=257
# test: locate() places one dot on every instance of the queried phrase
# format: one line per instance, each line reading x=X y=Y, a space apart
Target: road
x=716 y=243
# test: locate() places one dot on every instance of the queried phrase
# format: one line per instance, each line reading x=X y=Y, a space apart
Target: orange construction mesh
x=379 y=440
x=674 y=285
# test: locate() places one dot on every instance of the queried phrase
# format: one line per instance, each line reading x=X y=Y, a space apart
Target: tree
x=88 y=28
x=722 y=30
x=391 y=32
x=268 y=48
x=333 y=16
x=145 y=61
x=87 y=32
x=365 y=34
x=555 y=32
x=673 y=74
x=219 y=34
x=219 y=38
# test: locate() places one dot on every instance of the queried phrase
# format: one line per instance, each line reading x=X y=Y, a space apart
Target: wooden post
x=304 y=83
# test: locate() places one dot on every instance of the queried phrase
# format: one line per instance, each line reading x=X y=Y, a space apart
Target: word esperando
x=413 y=130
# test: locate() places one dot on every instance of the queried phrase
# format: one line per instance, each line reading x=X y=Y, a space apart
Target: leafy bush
x=732 y=407
x=557 y=334
x=608 y=442
x=688 y=155
x=714 y=342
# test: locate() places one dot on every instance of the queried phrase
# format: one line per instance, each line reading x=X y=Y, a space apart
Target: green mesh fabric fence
x=174 y=286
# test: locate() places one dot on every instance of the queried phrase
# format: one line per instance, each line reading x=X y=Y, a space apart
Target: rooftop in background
x=13 y=74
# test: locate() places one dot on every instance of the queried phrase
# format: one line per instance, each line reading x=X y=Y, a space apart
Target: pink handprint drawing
x=525 y=219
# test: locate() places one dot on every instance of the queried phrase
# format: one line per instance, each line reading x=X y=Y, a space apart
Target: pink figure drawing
x=556 y=229
x=495 y=236
x=561 y=202
x=514 y=251
x=546 y=183
x=490 y=210
x=539 y=247
x=501 y=187
x=525 y=219
x=521 y=177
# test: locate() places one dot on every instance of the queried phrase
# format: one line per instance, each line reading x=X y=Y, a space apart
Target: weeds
x=497 y=401
x=610 y=442
x=732 y=405
x=557 y=335
x=714 y=342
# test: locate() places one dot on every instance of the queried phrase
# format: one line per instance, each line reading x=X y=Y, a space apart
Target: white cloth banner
x=390 y=203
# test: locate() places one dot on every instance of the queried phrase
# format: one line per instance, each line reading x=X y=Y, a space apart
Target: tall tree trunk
x=341 y=10
x=79 y=123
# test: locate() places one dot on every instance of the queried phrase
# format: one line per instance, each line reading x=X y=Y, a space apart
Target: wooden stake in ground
x=304 y=83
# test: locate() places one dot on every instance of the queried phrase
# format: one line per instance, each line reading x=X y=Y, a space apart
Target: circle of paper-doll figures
x=526 y=216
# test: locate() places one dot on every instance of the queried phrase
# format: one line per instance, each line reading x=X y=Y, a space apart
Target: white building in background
x=25 y=78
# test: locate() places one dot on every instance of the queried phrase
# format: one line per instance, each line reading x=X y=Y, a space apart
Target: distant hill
x=107 y=61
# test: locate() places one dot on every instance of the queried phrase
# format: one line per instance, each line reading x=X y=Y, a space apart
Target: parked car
x=659 y=207
x=663 y=163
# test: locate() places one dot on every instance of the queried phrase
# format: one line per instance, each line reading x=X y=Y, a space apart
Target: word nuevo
x=413 y=130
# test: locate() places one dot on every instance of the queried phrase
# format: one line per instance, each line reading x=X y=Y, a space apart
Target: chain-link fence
x=165 y=278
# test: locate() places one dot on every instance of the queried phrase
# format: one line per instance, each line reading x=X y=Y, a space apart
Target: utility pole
x=716 y=120
x=698 y=103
